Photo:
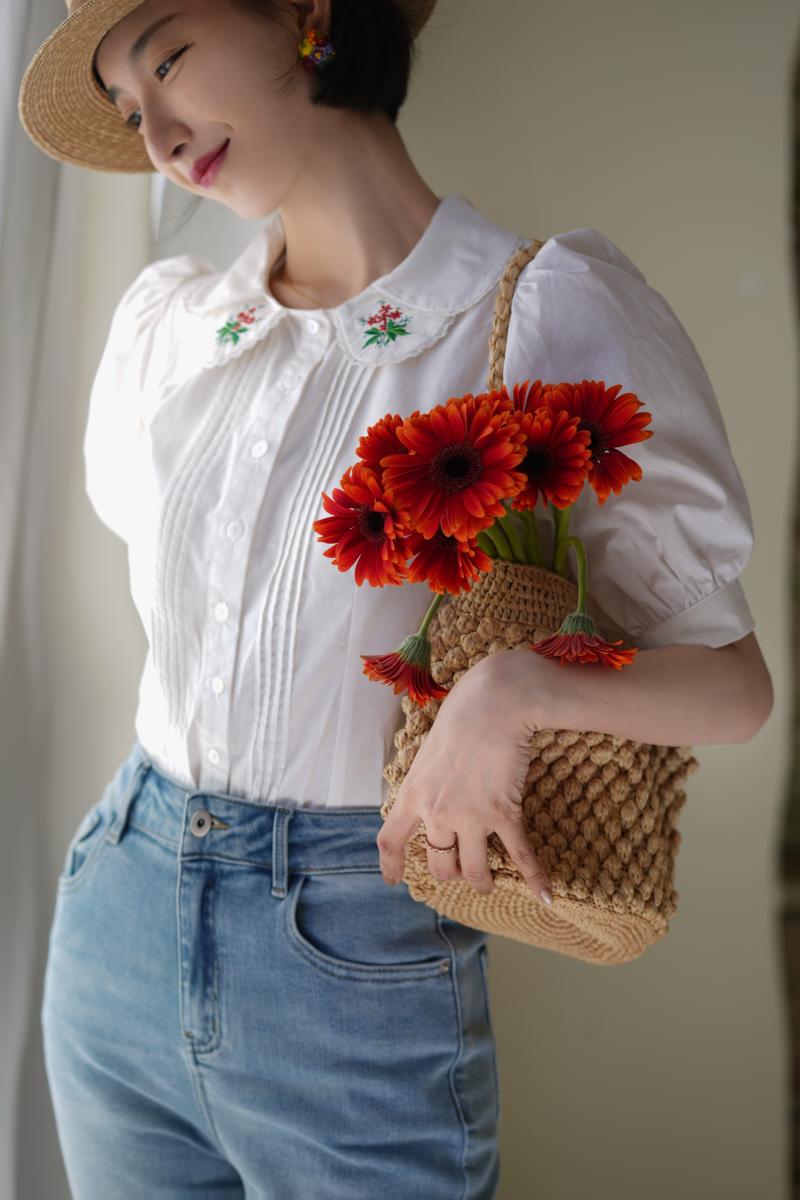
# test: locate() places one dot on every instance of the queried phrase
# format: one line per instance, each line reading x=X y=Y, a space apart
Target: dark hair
x=374 y=54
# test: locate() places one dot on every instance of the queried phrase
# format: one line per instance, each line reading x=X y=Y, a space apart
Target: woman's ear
x=313 y=14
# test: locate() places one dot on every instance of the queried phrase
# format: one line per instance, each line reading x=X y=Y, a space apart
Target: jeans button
x=200 y=822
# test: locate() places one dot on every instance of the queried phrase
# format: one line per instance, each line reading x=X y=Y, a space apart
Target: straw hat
x=62 y=107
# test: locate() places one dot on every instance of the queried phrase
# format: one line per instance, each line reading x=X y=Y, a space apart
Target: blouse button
x=235 y=529
x=221 y=611
x=289 y=380
x=213 y=756
x=258 y=448
x=218 y=684
x=312 y=325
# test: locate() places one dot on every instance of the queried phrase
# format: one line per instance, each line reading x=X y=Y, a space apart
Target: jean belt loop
x=280 y=851
x=120 y=819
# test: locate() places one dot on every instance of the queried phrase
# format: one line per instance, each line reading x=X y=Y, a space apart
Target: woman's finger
x=512 y=834
x=442 y=866
x=398 y=827
x=473 y=856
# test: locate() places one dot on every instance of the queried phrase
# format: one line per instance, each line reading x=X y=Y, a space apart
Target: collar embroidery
x=224 y=314
x=240 y=323
x=385 y=326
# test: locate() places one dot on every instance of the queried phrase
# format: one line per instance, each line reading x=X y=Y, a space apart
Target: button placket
x=219 y=651
x=255 y=439
x=227 y=571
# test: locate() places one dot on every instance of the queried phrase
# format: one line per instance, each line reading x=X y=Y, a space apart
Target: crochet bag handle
x=502 y=311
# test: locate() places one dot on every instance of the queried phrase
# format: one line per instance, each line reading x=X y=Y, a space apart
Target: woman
x=235 y=1001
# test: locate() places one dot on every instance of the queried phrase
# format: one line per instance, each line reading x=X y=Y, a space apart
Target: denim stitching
x=357 y=973
x=71 y=883
x=121 y=813
x=451 y=1074
x=483 y=959
x=199 y=1091
x=151 y=833
x=209 y=932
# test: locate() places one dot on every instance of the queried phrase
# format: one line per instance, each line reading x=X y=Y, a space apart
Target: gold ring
x=438 y=849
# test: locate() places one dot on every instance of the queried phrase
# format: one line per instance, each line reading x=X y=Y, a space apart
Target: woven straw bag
x=598 y=810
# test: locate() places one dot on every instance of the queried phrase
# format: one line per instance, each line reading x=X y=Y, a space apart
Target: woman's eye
x=167 y=61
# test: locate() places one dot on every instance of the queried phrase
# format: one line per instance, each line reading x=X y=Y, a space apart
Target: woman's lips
x=205 y=176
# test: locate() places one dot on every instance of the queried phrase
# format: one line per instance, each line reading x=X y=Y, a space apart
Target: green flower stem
x=532 y=536
x=580 y=554
x=437 y=600
x=561 y=518
x=508 y=526
x=499 y=540
x=486 y=545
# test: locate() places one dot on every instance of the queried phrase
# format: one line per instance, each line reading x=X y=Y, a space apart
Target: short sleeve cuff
x=714 y=621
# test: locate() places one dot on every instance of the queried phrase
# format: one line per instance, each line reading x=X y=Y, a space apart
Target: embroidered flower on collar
x=385 y=326
x=241 y=322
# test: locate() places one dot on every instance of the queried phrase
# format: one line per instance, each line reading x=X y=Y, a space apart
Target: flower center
x=371 y=524
x=537 y=462
x=597 y=443
x=456 y=467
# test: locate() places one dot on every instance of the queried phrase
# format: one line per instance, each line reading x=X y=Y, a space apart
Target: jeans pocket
x=354 y=924
x=84 y=847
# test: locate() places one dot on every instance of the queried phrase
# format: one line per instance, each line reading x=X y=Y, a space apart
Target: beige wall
x=666 y=126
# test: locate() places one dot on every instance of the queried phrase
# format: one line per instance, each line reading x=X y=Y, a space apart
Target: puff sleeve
x=128 y=364
x=664 y=555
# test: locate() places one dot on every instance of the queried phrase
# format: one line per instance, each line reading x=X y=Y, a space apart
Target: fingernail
x=547 y=896
x=389 y=879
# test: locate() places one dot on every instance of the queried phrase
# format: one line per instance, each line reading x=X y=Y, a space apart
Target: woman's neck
x=357 y=215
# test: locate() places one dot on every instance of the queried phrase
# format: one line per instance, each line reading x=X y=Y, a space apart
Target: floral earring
x=315 y=50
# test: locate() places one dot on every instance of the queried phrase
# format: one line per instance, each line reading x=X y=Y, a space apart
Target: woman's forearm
x=670 y=696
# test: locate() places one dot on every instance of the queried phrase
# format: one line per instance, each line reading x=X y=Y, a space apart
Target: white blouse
x=218 y=417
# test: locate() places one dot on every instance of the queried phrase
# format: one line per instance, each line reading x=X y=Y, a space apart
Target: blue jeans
x=236 y=1004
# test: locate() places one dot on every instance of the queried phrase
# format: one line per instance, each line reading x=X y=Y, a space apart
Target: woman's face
x=210 y=74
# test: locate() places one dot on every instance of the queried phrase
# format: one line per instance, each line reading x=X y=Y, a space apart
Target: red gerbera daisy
x=612 y=421
x=407 y=669
x=365 y=528
x=446 y=564
x=558 y=454
x=578 y=641
x=529 y=396
x=380 y=440
x=459 y=468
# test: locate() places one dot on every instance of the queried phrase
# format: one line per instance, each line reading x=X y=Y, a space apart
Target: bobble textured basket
x=599 y=811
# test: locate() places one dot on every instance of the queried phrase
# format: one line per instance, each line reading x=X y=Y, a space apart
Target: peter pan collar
x=460 y=256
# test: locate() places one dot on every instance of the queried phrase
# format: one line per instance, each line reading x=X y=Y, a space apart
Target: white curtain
x=63 y=263
x=29 y=199
x=71 y=645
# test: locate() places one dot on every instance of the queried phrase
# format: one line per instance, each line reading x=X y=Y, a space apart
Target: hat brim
x=64 y=110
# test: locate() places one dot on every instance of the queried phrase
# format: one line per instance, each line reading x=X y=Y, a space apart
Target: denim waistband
x=283 y=838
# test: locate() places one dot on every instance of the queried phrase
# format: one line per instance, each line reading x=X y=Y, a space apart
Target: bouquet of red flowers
x=437 y=496
x=449 y=497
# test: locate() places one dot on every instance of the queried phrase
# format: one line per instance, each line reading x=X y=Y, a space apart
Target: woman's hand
x=467 y=778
